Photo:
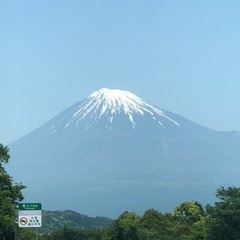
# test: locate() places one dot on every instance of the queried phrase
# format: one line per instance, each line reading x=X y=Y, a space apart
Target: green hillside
x=53 y=220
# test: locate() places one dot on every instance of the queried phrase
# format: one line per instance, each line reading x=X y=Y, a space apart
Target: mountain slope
x=53 y=220
x=113 y=152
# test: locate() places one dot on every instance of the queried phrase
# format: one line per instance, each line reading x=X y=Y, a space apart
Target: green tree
x=189 y=211
x=68 y=233
x=10 y=195
x=26 y=234
x=126 y=227
x=223 y=219
x=190 y=221
x=156 y=225
x=65 y=233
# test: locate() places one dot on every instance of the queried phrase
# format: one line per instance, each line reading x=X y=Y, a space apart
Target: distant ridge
x=53 y=220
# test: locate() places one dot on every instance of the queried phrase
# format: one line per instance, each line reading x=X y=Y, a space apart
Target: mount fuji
x=113 y=152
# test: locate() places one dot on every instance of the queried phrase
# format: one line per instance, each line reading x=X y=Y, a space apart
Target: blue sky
x=183 y=56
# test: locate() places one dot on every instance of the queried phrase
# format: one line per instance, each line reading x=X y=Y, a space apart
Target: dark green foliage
x=68 y=233
x=10 y=195
x=126 y=227
x=26 y=234
x=4 y=156
x=223 y=219
x=156 y=225
x=64 y=233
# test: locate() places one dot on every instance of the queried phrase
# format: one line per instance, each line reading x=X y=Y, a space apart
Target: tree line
x=189 y=220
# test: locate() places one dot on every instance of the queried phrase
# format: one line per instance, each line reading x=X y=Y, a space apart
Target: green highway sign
x=29 y=206
x=29 y=215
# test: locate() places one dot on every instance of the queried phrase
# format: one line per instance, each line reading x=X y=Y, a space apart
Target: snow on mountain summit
x=107 y=104
x=116 y=101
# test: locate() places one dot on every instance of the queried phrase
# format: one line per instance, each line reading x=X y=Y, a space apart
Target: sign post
x=29 y=215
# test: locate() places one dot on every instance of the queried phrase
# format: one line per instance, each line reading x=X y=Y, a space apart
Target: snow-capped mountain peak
x=107 y=104
x=117 y=101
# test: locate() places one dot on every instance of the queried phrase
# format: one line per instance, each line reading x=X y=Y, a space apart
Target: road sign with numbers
x=29 y=215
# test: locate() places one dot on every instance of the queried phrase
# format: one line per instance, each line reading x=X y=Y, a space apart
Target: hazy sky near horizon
x=182 y=56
